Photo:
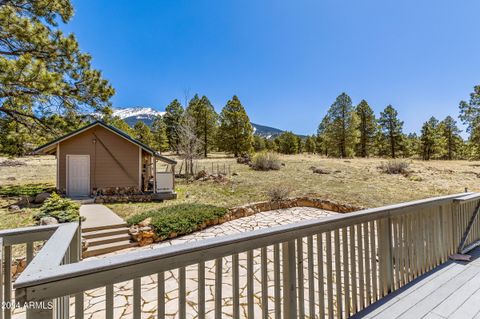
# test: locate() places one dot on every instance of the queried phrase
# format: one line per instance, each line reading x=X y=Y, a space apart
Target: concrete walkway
x=99 y=217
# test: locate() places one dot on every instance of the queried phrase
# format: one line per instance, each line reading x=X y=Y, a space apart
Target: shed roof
x=51 y=146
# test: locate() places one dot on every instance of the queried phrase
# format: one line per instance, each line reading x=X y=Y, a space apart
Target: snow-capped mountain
x=132 y=115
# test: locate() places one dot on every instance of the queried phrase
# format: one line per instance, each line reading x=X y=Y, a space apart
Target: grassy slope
x=358 y=183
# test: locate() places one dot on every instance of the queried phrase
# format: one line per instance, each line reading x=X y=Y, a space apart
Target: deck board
x=451 y=290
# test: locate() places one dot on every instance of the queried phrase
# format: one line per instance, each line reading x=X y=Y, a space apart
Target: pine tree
x=42 y=68
x=258 y=143
x=310 y=144
x=342 y=128
x=143 y=133
x=159 y=131
x=270 y=144
x=410 y=145
x=287 y=143
x=367 y=126
x=392 y=129
x=235 y=134
x=172 y=118
x=452 y=138
x=206 y=121
x=430 y=139
x=470 y=116
x=323 y=141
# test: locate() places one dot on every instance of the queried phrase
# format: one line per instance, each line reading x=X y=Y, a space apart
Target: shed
x=99 y=159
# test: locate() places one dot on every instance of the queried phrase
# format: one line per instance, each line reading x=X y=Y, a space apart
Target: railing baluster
x=250 y=292
x=182 y=295
x=328 y=241
x=161 y=295
x=395 y=254
x=79 y=305
x=29 y=252
x=276 y=278
x=353 y=268
x=218 y=288
x=301 y=297
x=7 y=282
x=264 y=262
x=321 y=280
x=235 y=287
x=289 y=282
x=2 y=259
x=338 y=274
x=311 y=279
x=137 y=298
x=346 y=281
x=373 y=256
x=109 y=303
x=366 y=247
x=361 y=282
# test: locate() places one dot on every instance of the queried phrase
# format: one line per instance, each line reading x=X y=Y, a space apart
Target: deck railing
x=332 y=267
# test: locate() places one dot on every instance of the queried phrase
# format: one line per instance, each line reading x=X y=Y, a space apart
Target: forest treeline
x=346 y=130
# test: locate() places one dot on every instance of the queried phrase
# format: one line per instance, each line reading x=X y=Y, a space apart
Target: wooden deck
x=449 y=291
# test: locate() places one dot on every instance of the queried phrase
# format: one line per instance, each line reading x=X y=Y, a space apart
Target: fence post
x=289 y=281
x=385 y=251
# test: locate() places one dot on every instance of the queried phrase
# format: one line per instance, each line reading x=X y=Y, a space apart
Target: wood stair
x=106 y=239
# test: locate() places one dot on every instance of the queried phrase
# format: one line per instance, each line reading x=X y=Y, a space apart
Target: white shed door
x=78 y=175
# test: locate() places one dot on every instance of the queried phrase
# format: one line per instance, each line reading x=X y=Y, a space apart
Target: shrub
x=266 y=161
x=63 y=209
x=395 y=167
x=180 y=219
x=279 y=192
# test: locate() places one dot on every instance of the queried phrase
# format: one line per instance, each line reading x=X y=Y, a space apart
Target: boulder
x=146 y=222
x=48 y=221
x=40 y=198
x=14 y=208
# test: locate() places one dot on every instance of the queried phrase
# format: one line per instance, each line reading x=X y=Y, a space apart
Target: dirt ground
x=351 y=181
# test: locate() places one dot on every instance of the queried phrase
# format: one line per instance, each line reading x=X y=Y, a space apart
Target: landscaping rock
x=146 y=222
x=40 y=198
x=14 y=208
x=25 y=201
x=84 y=244
x=11 y=178
x=18 y=266
x=48 y=221
x=317 y=170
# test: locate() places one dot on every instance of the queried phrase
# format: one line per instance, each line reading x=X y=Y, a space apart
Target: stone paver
x=95 y=299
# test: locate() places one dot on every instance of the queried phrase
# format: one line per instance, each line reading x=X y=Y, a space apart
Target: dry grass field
x=352 y=181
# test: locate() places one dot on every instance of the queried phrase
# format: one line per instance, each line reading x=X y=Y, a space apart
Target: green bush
x=266 y=161
x=24 y=190
x=63 y=209
x=180 y=219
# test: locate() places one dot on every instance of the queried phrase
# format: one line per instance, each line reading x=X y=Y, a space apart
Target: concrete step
x=103 y=227
x=105 y=233
x=107 y=239
x=108 y=248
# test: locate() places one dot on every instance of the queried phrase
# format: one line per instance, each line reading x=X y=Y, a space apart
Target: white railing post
x=289 y=281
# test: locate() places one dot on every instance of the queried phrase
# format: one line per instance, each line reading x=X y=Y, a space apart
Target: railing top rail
x=72 y=278
x=468 y=197
x=27 y=234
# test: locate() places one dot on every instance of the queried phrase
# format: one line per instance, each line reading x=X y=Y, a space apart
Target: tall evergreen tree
x=235 y=134
x=258 y=143
x=430 y=139
x=470 y=116
x=310 y=144
x=451 y=136
x=367 y=126
x=392 y=129
x=287 y=143
x=410 y=145
x=206 y=121
x=172 y=118
x=324 y=145
x=159 y=131
x=143 y=133
x=342 y=129
x=41 y=67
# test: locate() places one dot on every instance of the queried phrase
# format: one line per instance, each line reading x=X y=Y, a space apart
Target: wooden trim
x=140 y=164
x=57 y=186
x=154 y=175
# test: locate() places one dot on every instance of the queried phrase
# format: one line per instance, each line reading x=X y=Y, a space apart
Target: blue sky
x=286 y=60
